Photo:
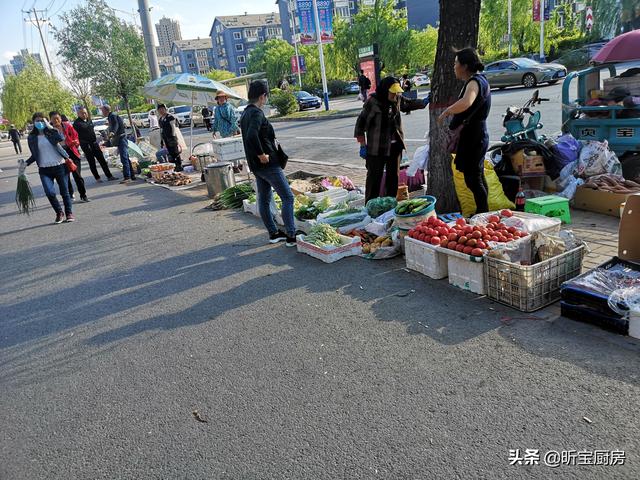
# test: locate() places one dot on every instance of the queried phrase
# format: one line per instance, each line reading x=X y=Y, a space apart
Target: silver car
x=523 y=71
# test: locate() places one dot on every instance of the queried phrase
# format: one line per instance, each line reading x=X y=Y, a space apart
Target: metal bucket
x=219 y=177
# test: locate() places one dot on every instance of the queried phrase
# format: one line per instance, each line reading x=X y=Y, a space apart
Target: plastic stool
x=549 y=206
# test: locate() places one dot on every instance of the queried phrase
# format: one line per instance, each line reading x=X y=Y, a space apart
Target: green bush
x=337 y=87
x=284 y=101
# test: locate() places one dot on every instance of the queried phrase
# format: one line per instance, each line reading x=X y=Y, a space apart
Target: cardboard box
x=524 y=164
x=599 y=201
x=629 y=230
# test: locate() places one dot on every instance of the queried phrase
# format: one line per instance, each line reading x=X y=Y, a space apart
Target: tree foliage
x=99 y=46
x=34 y=90
x=219 y=75
x=272 y=57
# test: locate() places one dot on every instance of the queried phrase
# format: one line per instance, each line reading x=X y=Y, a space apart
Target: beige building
x=168 y=31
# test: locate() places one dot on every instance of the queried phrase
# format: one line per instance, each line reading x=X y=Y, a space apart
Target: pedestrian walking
x=15 y=136
x=470 y=114
x=206 y=116
x=48 y=154
x=70 y=145
x=225 y=122
x=89 y=145
x=168 y=132
x=379 y=132
x=266 y=160
x=118 y=136
x=406 y=87
x=365 y=84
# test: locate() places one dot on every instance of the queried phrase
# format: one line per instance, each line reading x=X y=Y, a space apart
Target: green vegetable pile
x=232 y=197
x=409 y=207
x=380 y=205
x=323 y=235
x=344 y=217
x=310 y=210
x=24 y=195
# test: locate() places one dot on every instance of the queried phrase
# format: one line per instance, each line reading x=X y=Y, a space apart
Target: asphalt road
x=115 y=329
x=332 y=140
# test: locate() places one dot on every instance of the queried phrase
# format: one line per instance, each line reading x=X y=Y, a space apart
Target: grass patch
x=318 y=113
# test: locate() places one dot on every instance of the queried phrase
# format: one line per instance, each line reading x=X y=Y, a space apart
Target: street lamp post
x=316 y=17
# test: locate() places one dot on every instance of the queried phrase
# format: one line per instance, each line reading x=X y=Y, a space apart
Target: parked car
x=306 y=100
x=523 y=71
x=141 y=120
x=580 y=57
x=420 y=79
x=352 y=87
x=100 y=124
x=184 y=115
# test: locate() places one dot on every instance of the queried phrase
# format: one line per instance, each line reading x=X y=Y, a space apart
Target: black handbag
x=281 y=156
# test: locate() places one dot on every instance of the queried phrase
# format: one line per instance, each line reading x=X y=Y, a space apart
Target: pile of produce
x=323 y=235
x=309 y=210
x=174 y=179
x=162 y=167
x=339 y=182
x=343 y=216
x=612 y=183
x=232 y=197
x=470 y=239
x=370 y=242
x=411 y=207
x=380 y=205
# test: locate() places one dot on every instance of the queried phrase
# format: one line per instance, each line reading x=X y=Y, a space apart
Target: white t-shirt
x=48 y=155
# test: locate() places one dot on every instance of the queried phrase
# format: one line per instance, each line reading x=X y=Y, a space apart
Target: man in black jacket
x=14 y=135
x=89 y=145
x=118 y=135
x=168 y=125
x=365 y=85
x=263 y=156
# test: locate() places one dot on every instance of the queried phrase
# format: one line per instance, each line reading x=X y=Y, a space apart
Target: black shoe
x=280 y=236
x=133 y=178
x=59 y=217
x=84 y=199
x=111 y=179
x=291 y=241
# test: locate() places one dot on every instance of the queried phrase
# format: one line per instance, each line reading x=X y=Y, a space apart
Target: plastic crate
x=350 y=247
x=530 y=287
x=580 y=313
x=425 y=259
x=549 y=206
x=465 y=271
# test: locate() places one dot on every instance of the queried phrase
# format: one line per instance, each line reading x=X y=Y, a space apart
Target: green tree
x=34 y=90
x=422 y=48
x=99 y=46
x=272 y=57
x=219 y=75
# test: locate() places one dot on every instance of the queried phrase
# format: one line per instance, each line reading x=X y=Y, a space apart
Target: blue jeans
x=161 y=155
x=273 y=176
x=123 y=150
x=60 y=175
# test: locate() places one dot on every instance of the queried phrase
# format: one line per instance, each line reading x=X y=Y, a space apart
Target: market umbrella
x=623 y=48
x=134 y=150
x=186 y=87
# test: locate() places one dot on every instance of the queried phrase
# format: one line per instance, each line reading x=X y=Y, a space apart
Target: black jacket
x=86 y=133
x=258 y=137
x=168 y=125
x=364 y=82
x=116 y=125
x=14 y=135
x=54 y=137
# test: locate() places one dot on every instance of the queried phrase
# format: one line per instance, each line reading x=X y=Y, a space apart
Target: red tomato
x=501 y=226
x=420 y=237
x=459 y=248
x=476 y=252
x=467 y=250
x=435 y=240
x=491 y=225
x=427 y=238
x=506 y=213
x=444 y=242
x=430 y=220
x=443 y=231
x=461 y=221
x=495 y=239
x=481 y=244
x=512 y=230
x=452 y=245
x=477 y=234
x=453 y=237
x=493 y=218
x=468 y=229
x=472 y=242
x=462 y=240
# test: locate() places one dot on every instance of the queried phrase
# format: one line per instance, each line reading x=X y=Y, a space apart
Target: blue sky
x=195 y=16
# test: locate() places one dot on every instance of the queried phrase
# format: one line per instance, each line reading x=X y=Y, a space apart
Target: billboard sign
x=307 y=21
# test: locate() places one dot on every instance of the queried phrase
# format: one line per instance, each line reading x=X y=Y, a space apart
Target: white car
x=420 y=80
x=100 y=124
x=141 y=120
x=183 y=114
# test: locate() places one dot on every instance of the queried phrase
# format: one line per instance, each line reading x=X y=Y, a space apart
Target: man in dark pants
x=14 y=135
x=206 y=116
x=89 y=145
x=118 y=135
x=168 y=126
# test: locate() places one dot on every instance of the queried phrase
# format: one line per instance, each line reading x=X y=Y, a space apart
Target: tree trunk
x=459 y=25
x=133 y=127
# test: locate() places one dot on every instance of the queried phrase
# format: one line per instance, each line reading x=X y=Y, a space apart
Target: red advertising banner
x=369 y=67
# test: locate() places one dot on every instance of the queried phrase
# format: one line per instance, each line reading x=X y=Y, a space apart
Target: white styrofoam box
x=425 y=258
x=304 y=225
x=331 y=192
x=465 y=271
x=250 y=207
x=350 y=247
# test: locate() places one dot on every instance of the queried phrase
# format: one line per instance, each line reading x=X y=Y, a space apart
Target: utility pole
x=316 y=17
x=542 y=12
x=44 y=45
x=147 y=35
x=295 y=44
x=509 y=33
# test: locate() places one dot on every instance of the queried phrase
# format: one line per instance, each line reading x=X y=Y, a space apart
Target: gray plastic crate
x=531 y=287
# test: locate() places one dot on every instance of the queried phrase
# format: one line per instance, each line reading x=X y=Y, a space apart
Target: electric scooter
x=514 y=121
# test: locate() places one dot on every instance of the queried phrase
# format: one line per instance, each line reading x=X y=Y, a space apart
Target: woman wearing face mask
x=379 y=132
x=471 y=110
x=44 y=143
x=71 y=144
